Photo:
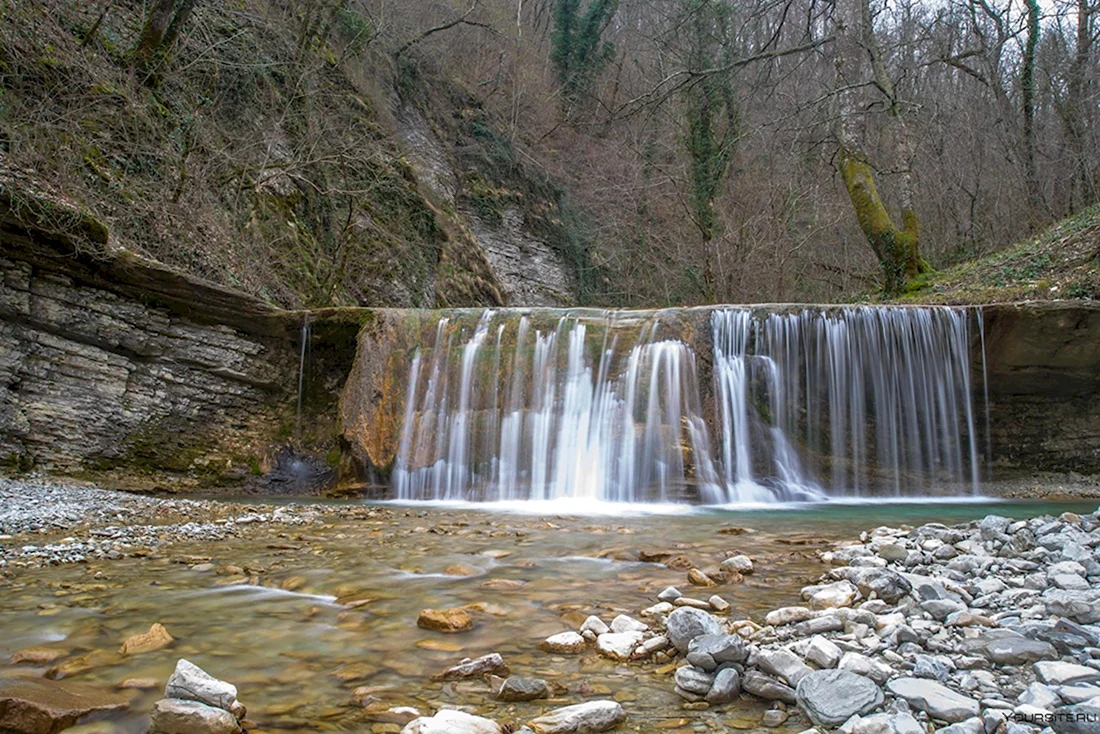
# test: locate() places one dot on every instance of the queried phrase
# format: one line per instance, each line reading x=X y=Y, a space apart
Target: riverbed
x=310 y=608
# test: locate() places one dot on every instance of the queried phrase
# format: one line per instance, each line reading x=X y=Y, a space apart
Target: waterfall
x=606 y=405
x=877 y=400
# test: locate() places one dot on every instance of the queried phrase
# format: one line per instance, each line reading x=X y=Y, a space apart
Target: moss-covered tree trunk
x=896 y=247
x=162 y=27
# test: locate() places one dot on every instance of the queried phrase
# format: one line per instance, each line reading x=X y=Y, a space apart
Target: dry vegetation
x=263 y=151
x=1061 y=263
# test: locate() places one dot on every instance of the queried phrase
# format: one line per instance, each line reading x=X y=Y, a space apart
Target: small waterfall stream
x=619 y=406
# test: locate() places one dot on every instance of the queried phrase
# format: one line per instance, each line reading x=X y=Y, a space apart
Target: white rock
x=618 y=645
x=449 y=721
x=569 y=643
x=788 y=615
x=823 y=652
x=583 y=718
x=191 y=683
x=830 y=596
x=623 y=623
x=737 y=564
x=660 y=608
x=594 y=624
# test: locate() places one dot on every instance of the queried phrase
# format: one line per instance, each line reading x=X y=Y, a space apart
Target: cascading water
x=878 y=400
x=518 y=405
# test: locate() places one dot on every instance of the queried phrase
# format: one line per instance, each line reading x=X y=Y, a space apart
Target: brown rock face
x=445 y=620
x=39 y=706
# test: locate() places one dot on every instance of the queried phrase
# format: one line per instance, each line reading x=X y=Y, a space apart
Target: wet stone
x=523 y=689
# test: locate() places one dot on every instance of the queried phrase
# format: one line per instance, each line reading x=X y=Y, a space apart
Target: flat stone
x=941 y=609
x=566 y=643
x=767 y=687
x=1056 y=673
x=935 y=699
x=819 y=625
x=831 y=697
x=727 y=684
x=449 y=721
x=783 y=663
x=788 y=615
x=40 y=706
x=618 y=645
x=583 y=718
x=1018 y=650
x=523 y=689
x=718 y=604
x=189 y=682
x=179 y=716
x=157 y=638
x=491 y=664
x=1078 y=694
x=445 y=620
x=685 y=624
x=693 y=680
x=40 y=655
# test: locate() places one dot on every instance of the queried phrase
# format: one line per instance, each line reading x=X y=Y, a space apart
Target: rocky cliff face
x=1043 y=365
x=108 y=361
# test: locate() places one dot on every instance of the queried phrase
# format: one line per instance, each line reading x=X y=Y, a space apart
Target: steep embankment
x=1061 y=263
x=287 y=160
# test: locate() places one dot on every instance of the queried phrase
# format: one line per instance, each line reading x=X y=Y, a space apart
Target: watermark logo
x=1047 y=718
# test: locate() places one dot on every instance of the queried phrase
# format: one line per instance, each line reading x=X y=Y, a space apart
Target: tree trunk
x=152 y=35
x=1075 y=116
x=1027 y=96
x=897 y=248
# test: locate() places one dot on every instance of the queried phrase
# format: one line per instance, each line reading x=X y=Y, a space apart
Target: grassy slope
x=1062 y=262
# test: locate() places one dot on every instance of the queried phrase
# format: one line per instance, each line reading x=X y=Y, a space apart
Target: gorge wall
x=117 y=367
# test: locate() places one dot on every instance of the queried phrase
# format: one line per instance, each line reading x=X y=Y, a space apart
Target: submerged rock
x=157 y=638
x=523 y=689
x=40 y=706
x=445 y=620
x=491 y=664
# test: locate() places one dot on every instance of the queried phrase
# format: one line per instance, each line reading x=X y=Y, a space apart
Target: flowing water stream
x=301 y=617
